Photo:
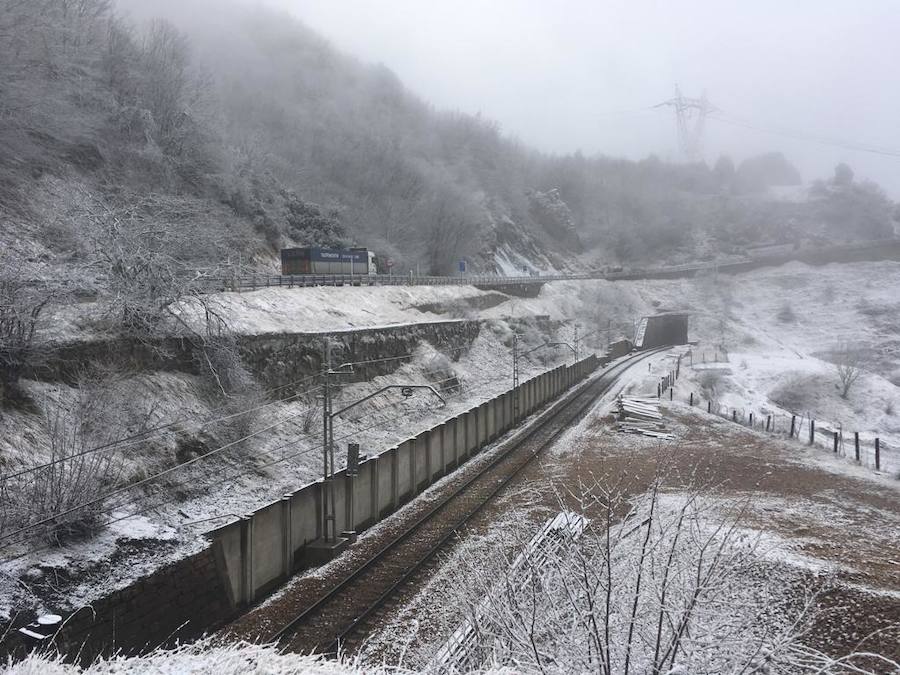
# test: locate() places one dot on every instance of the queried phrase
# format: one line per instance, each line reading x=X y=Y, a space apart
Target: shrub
x=786 y=314
x=82 y=462
x=227 y=383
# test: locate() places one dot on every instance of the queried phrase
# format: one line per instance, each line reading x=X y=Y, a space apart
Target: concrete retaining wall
x=247 y=558
x=269 y=543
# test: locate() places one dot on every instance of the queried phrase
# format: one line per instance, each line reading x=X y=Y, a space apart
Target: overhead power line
x=804 y=136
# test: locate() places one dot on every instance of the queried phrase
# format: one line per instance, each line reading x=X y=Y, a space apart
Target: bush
x=22 y=302
x=228 y=384
x=710 y=384
x=786 y=314
x=72 y=473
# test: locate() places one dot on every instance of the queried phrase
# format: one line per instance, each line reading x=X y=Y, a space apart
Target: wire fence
x=865 y=448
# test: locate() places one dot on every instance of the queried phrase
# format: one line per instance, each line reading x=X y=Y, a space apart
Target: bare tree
x=151 y=290
x=656 y=584
x=448 y=228
x=80 y=434
x=848 y=362
x=23 y=300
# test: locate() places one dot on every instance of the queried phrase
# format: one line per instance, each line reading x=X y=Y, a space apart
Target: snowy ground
x=818 y=524
x=775 y=362
x=283 y=452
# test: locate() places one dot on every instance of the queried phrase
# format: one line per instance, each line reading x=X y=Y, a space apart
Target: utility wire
x=803 y=136
x=123 y=489
x=143 y=436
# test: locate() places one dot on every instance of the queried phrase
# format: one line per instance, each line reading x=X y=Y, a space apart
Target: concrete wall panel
x=448 y=443
x=435 y=453
x=404 y=466
x=471 y=432
x=362 y=496
x=493 y=429
x=340 y=500
x=421 y=461
x=306 y=514
x=482 y=425
x=387 y=464
x=459 y=439
x=229 y=536
x=267 y=547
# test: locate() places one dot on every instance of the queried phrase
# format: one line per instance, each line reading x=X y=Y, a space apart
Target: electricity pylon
x=690 y=119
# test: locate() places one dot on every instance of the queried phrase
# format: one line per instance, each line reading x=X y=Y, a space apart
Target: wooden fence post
x=658 y=390
x=768 y=422
x=793 y=424
x=812 y=431
x=835 y=442
x=856 y=444
x=878 y=454
x=751 y=420
x=709 y=406
x=692 y=399
x=671 y=393
x=734 y=415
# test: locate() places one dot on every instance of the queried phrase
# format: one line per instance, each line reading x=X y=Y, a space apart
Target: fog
x=583 y=74
x=586 y=75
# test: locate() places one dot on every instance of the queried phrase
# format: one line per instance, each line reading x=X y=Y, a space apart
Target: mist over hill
x=234 y=131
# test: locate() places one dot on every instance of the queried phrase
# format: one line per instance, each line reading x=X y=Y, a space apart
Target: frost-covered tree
x=663 y=583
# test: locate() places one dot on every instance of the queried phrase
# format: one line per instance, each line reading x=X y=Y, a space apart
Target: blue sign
x=462 y=265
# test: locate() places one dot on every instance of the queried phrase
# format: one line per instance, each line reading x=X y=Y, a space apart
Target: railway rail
x=338 y=618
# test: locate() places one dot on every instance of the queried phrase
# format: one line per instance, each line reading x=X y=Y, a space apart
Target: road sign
x=462 y=266
x=389 y=262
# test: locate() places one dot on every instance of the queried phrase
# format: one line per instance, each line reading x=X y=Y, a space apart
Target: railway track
x=340 y=617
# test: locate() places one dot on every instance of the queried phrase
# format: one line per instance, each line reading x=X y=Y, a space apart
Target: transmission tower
x=690 y=119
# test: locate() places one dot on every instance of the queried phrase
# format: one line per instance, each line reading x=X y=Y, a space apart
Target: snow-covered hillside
x=775 y=356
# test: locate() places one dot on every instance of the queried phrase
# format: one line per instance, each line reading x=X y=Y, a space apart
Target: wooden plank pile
x=638 y=415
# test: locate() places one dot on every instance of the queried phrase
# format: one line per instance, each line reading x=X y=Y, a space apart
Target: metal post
x=793 y=424
x=516 y=378
x=709 y=406
x=328 y=514
x=878 y=454
x=768 y=422
x=734 y=415
x=835 y=442
x=856 y=444
x=692 y=399
x=751 y=420
x=671 y=393
x=576 y=343
x=812 y=431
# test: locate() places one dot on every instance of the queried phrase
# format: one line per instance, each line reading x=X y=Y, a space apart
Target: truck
x=314 y=260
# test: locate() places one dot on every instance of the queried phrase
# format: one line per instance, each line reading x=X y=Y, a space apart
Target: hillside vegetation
x=251 y=132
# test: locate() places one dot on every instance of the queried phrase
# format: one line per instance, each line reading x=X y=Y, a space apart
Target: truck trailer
x=314 y=260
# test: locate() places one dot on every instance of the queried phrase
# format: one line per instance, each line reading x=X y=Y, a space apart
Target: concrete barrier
x=387 y=475
x=250 y=556
x=421 y=462
x=448 y=445
x=406 y=471
x=261 y=550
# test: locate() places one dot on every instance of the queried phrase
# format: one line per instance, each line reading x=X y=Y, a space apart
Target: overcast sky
x=581 y=74
x=566 y=75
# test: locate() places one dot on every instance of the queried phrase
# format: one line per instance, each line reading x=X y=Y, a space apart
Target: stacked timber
x=638 y=415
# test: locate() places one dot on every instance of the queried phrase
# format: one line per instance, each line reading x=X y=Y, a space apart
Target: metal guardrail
x=257 y=281
x=204 y=281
